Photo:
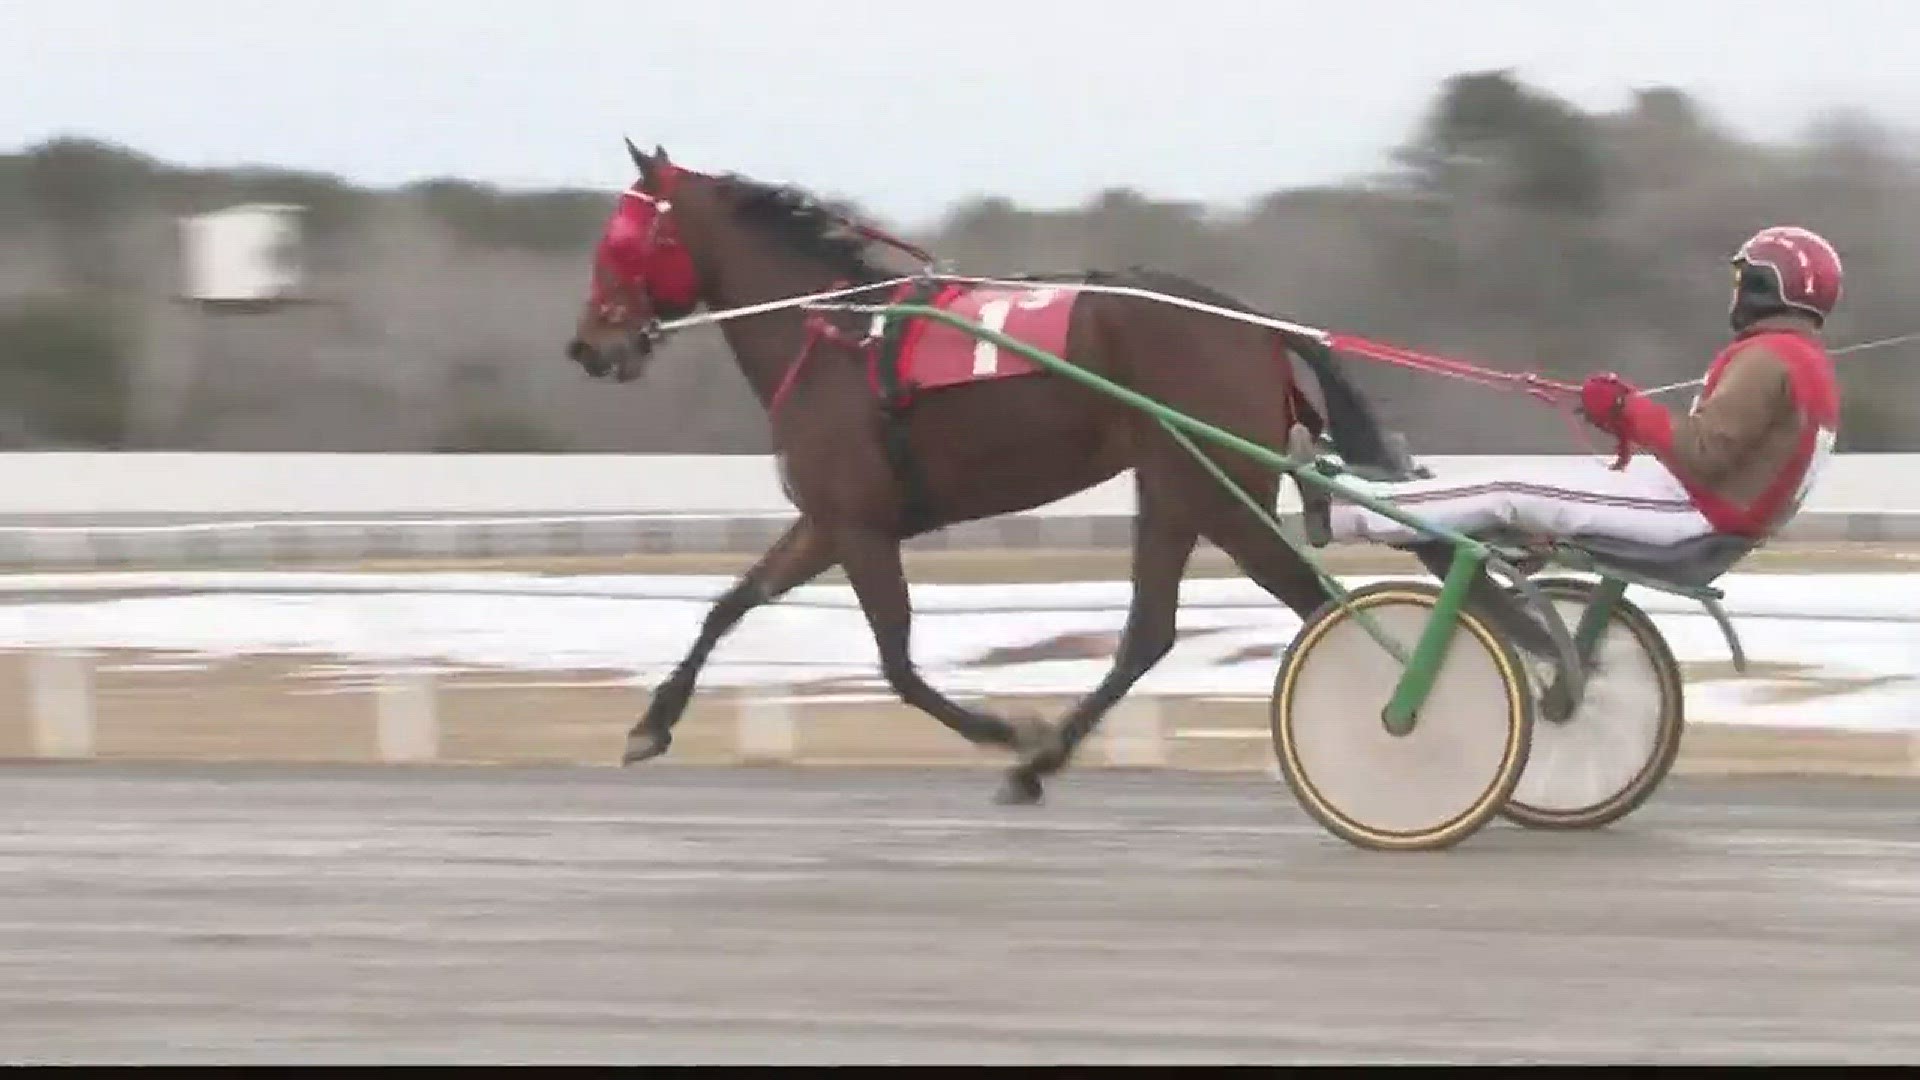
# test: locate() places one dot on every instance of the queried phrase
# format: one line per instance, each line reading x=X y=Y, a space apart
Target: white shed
x=248 y=254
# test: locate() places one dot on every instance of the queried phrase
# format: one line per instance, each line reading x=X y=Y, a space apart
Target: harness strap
x=880 y=349
x=895 y=393
x=884 y=370
x=817 y=328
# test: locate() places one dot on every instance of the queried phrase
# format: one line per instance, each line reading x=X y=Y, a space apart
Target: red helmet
x=1785 y=268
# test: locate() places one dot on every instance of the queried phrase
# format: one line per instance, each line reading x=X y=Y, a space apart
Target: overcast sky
x=905 y=107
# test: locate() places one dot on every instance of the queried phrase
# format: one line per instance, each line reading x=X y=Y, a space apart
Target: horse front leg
x=871 y=560
x=800 y=555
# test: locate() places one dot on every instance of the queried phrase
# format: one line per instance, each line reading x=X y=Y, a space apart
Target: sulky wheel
x=1599 y=765
x=1431 y=787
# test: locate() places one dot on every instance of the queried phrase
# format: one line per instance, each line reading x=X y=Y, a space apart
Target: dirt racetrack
x=238 y=914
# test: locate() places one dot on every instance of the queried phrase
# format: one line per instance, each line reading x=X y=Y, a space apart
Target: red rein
x=1545 y=389
x=1562 y=396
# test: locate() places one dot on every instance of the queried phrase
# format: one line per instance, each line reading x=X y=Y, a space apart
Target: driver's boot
x=1316 y=506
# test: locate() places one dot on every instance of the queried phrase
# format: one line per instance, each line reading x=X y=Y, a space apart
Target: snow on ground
x=1834 y=650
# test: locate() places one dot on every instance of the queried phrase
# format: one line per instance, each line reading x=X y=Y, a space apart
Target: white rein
x=814 y=301
x=1861 y=347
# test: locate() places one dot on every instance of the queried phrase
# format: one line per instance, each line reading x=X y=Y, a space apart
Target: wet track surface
x=249 y=914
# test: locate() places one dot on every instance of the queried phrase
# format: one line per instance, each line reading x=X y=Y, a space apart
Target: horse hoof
x=1557 y=704
x=1041 y=746
x=1316 y=505
x=644 y=744
x=1019 y=789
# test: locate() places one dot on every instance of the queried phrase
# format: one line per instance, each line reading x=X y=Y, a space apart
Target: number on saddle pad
x=993 y=316
x=986 y=355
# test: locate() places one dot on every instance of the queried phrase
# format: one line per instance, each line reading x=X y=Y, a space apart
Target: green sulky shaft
x=1416 y=679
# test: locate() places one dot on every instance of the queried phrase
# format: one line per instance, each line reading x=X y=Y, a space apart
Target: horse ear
x=649 y=168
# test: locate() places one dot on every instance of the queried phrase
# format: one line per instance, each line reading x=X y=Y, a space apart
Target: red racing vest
x=1816 y=396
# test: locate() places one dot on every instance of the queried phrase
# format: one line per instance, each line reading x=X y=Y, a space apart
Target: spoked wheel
x=1431 y=787
x=1600 y=764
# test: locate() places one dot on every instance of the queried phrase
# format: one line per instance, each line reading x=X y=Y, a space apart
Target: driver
x=1740 y=462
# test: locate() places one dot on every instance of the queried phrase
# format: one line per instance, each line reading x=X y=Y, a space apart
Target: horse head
x=643 y=272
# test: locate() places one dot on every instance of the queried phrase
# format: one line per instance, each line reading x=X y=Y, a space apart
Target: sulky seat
x=1693 y=563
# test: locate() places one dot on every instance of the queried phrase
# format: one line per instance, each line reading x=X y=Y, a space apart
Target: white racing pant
x=1644 y=502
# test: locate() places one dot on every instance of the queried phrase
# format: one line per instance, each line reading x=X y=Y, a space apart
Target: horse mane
x=802 y=223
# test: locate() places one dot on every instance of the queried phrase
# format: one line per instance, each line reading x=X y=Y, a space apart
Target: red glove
x=1603 y=401
x=1611 y=404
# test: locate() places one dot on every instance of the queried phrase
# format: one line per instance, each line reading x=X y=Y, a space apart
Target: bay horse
x=865 y=476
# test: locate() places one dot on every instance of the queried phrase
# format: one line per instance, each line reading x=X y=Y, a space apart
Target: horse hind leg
x=1485 y=596
x=1178 y=503
x=1163 y=543
x=1510 y=614
x=1266 y=559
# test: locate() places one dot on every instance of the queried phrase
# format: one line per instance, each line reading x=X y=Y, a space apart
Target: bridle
x=655 y=266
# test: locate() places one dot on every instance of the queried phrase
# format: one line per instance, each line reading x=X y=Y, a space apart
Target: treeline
x=1510 y=227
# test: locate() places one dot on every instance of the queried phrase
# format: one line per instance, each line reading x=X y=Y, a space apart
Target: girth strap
x=896 y=402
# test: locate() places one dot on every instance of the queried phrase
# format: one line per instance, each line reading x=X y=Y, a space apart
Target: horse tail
x=1354 y=427
x=1365 y=444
